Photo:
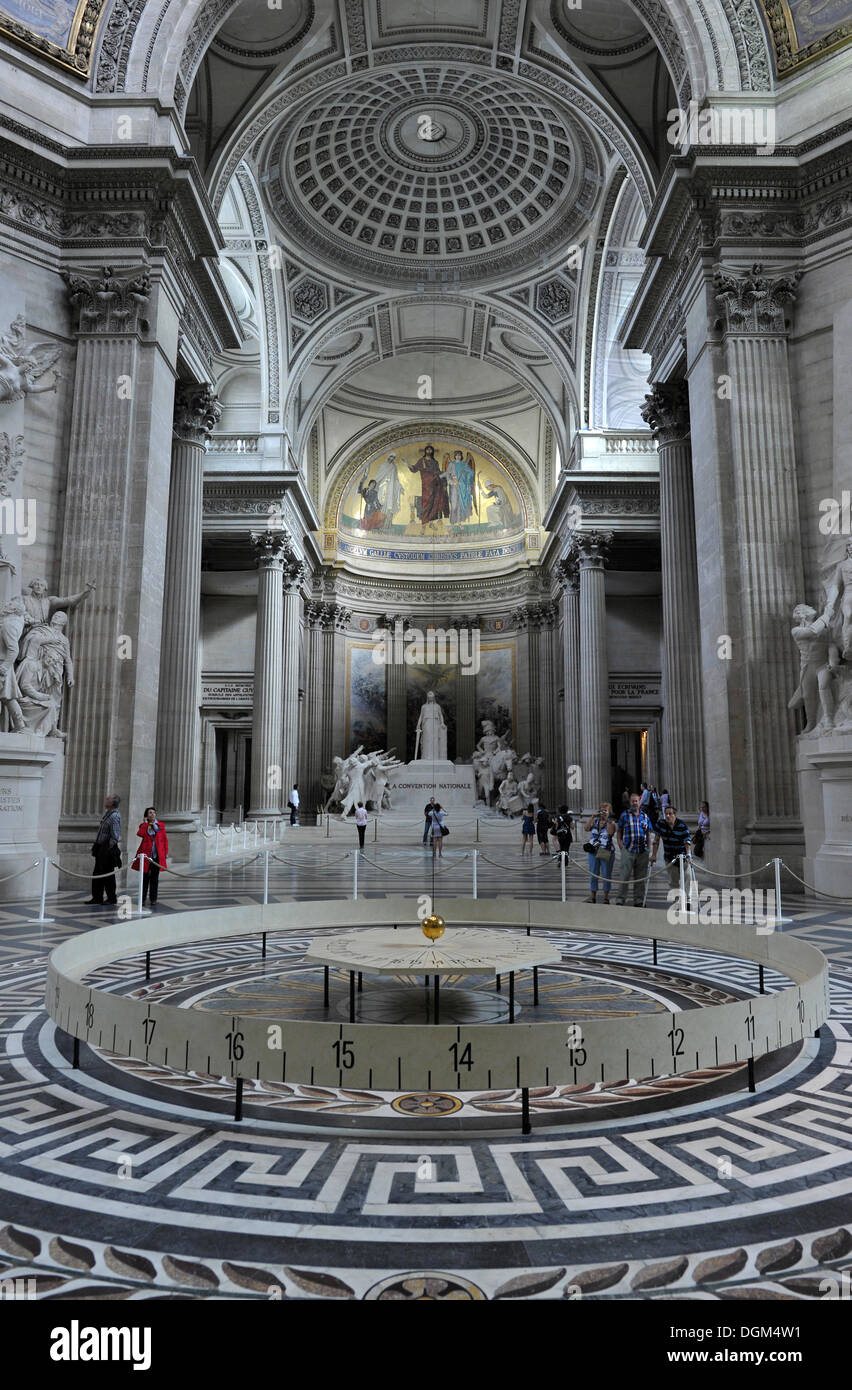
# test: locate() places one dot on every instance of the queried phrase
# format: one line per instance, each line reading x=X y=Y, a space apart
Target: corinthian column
x=569 y=575
x=197 y=412
x=115 y=509
x=666 y=410
x=770 y=564
x=592 y=548
x=267 y=728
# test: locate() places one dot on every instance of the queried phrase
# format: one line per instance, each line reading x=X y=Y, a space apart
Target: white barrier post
x=682 y=887
x=355 y=879
x=266 y=879
x=245 y=835
x=45 y=865
x=142 y=861
x=207 y=817
x=218 y=833
x=475 y=884
x=240 y=814
x=562 y=868
x=233 y=832
x=256 y=833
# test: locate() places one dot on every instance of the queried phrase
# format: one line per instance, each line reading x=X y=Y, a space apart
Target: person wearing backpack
x=542 y=829
x=562 y=830
x=438 y=818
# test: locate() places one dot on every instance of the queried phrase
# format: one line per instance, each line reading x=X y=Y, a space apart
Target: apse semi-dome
x=429 y=493
x=410 y=173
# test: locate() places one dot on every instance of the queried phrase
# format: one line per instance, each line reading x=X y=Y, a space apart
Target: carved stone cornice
x=666 y=411
x=106 y=303
x=198 y=411
x=752 y=301
x=593 y=548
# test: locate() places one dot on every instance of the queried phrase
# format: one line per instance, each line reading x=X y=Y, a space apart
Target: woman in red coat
x=153 y=843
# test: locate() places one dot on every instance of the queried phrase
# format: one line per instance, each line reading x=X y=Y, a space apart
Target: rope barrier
x=301 y=864
x=750 y=873
x=87 y=878
x=832 y=896
x=398 y=873
x=240 y=864
x=533 y=868
x=17 y=874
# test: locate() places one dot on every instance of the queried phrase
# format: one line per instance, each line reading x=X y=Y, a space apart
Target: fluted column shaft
x=115 y=511
x=267 y=727
x=196 y=413
x=571 y=684
x=666 y=409
x=290 y=692
x=311 y=732
x=766 y=503
x=594 y=673
x=395 y=710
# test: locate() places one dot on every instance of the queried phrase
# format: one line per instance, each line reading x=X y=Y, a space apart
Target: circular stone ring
x=412 y=1057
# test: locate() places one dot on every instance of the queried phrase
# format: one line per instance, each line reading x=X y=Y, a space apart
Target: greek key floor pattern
x=120 y=1181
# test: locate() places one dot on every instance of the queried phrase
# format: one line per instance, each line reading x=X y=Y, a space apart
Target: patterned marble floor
x=120 y=1182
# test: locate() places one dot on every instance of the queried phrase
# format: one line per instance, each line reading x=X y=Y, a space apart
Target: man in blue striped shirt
x=676 y=840
x=634 y=836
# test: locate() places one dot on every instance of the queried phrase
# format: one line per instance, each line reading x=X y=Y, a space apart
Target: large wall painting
x=424 y=492
x=62 y=30
x=367 y=704
x=495 y=688
x=803 y=30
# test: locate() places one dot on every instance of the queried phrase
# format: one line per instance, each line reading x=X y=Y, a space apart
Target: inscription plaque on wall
x=237 y=692
x=643 y=690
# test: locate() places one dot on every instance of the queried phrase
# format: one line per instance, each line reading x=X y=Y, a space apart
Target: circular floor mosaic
x=122 y=1183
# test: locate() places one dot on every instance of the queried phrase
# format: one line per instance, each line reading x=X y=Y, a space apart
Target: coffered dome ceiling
x=432 y=170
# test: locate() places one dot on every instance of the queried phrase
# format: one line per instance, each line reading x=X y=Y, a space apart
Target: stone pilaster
x=466 y=694
x=592 y=549
x=116 y=503
x=271 y=551
x=569 y=576
x=197 y=411
x=666 y=411
x=294 y=573
x=335 y=693
x=543 y=688
x=310 y=761
x=765 y=501
x=395 y=711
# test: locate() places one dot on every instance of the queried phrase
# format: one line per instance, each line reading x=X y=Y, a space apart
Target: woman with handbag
x=154 y=844
x=601 y=830
x=438 y=818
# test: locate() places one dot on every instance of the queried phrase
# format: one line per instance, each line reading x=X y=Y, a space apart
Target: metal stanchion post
x=475 y=883
x=45 y=865
x=142 y=860
x=327 y=827
x=680 y=861
x=245 y=835
x=233 y=832
x=266 y=879
x=355 y=878
x=218 y=833
x=375 y=830
x=562 y=867
x=256 y=832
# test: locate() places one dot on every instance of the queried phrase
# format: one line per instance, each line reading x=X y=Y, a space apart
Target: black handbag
x=589 y=848
x=444 y=830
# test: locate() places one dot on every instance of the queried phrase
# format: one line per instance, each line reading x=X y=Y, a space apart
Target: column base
x=768 y=840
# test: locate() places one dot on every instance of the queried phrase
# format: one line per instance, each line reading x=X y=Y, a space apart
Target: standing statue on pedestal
x=839 y=595
x=431 y=742
x=819 y=660
x=43 y=672
x=12 y=619
x=41 y=606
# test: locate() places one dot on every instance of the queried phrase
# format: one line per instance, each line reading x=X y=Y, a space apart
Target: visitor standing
x=600 y=829
x=438 y=819
x=562 y=829
x=664 y=800
x=634 y=833
x=542 y=829
x=427 y=815
x=293 y=803
x=702 y=834
x=674 y=836
x=528 y=829
x=107 y=853
x=361 y=824
x=154 y=844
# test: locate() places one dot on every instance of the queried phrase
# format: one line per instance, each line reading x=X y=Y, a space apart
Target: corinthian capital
x=271 y=548
x=754 y=302
x=108 y=303
x=666 y=411
x=593 y=548
x=197 y=413
x=568 y=569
